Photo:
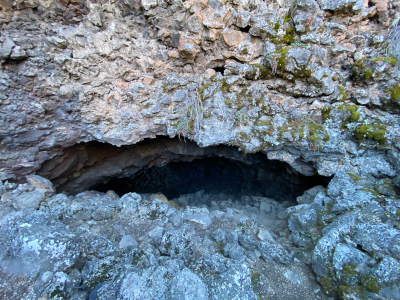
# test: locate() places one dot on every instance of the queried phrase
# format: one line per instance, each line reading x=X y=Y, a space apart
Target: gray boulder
x=186 y=286
x=127 y=241
x=29 y=200
x=309 y=195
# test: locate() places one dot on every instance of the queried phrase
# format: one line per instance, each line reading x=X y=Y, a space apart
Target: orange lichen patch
x=121 y=85
x=188 y=47
x=148 y=80
x=233 y=38
x=173 y=54
x=381 y=5
x=113 y=95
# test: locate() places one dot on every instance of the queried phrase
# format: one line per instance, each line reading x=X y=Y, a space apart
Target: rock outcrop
x=312 y=83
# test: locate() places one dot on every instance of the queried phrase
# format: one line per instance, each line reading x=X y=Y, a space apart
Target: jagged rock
x=6 y=48
x=127 y=241
x=309 y=195
x=337 y=4
x=41 y=183
x=28 y=200
x=187 y=285
x=18 y=53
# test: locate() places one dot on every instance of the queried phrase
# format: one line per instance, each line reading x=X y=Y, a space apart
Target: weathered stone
x=147 y=4
x=29 y=200
x=18 y=53
x=6 y=48
x=187 y=285
x=336 y=4
x=42 y=184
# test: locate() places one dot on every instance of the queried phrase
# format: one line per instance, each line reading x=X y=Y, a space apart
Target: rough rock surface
x=312 y=83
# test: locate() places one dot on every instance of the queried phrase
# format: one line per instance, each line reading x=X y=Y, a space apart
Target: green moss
x=201 y=90
x=313 y=137
x=326 y=137
x=255 y=277
x=343 y=290
x=349 y=270
x=398 y=213
x=373 y=132
x=328 y=285
x=245 y=50
x=355 y=116
x=282 y=56
x=342 y=94
x=368 y=74
x=276 y=25
x=334 y=78
x=288 y=38
x=361 y=131
x=373 y=192
x=264 y=72
x=358 y=69
x=301 y=134
x=395 y=93
x=287 y=18
x=224 y=86
x=373 y=286
x=326 y=113
x=359 y=64
x=378 y=135
x=390 y=60
x=164 y=88
x=352 y=114
x=354 y=177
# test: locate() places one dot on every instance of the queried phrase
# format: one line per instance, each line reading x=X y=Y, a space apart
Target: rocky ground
x=100 y=246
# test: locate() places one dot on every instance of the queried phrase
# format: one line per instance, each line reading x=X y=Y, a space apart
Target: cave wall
x=308 y=80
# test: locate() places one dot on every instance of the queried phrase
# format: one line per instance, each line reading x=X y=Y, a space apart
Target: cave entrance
x=218 y=176
x=173 y=168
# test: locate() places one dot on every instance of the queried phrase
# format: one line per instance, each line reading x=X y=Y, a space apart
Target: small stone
x=18 y=53
x=147 y=4
x=3 y=190
x=112 y=195
x=157 y=232
x=265 y=235
x=234 y=251
x=200 y=218
x=127 y=241
x=76 y=224
x=176 y=219
x=61 y=43
x=46 y=276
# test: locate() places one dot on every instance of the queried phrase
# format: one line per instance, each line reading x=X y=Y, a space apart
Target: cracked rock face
x=311 y=83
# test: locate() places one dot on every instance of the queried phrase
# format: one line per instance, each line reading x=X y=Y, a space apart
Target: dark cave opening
x=216 y=175
x=245 y=29
x=219 y=70
x=173 y=167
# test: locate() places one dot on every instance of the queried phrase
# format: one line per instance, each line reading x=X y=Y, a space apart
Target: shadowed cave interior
x=216 y=175
x=173 y=168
